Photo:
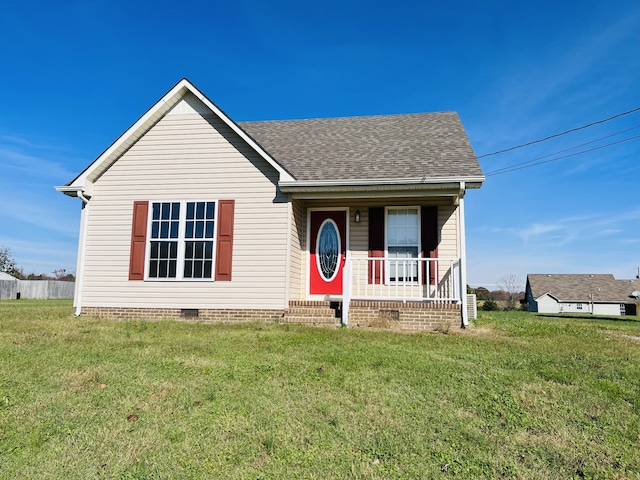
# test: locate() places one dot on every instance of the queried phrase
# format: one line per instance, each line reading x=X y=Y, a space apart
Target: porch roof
x=427 y=148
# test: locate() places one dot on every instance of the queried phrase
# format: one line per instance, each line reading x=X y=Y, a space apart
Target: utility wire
x=510 y=167
x=560 y=158
x=560 y=134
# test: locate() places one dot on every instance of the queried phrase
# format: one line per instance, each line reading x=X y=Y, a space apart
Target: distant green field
x=515 y=396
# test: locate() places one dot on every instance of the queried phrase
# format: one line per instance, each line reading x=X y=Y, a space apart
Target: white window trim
x=182 y=225
x=387 y=268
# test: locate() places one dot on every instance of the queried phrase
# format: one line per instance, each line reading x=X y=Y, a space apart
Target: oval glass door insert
x=328 y=250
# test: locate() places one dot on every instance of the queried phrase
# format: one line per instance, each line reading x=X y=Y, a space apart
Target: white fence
x=36 y=289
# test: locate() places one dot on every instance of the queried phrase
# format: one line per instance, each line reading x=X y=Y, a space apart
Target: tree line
x=8 y=265
x=508 y=296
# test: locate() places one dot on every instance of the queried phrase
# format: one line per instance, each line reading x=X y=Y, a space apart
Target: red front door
x=327 y=252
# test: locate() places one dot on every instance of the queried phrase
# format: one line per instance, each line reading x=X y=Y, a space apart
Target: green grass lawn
x=515 y=396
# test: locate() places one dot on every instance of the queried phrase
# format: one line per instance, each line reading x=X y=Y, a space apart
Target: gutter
x=381 y=184
x=79 y=192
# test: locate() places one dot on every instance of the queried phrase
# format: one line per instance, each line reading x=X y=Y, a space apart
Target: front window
x=182 y=241
x=403 y=243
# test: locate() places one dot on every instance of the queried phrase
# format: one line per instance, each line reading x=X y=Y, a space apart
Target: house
x=356 y=220
x=599 y=294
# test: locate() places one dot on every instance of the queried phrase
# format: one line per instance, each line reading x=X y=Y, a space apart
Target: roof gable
x=182 y=89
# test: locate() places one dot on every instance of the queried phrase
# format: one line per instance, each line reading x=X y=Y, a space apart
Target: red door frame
x=316 y=284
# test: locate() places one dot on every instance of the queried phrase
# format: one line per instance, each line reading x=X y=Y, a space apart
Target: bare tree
x=510 y=284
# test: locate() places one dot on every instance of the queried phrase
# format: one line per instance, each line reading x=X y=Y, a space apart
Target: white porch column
x=463 y=258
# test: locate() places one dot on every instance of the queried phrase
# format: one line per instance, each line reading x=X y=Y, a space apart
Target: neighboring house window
x=190 y=240
x=623 y=311
x=403 y=243
x=579 y=306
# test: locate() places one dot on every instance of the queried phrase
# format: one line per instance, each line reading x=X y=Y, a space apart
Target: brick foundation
x=407 y=316
x=190 y=314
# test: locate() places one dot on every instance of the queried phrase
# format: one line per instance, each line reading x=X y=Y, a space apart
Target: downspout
x=463 y=258
x=83 y=249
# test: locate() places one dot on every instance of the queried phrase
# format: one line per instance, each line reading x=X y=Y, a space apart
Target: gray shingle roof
x=427 y=145
x=577 y=287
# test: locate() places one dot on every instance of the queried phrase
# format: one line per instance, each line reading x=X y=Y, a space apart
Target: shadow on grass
x=634 y=319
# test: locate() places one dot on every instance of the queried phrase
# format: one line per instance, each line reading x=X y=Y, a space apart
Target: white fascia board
x=445 y=187
x=157 y=111
x=431 y=182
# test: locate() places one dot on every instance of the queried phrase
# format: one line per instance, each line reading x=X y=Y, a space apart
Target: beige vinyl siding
x=297 y=252
x=188 y=156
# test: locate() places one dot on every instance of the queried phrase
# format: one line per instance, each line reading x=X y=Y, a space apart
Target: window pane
x=162 y=269
x=199 y=229
x=189 y=230
x=175 y=211
x=174 y=229
x=207 y=269
x=190 y=210
x=211 y=210
x=172 y=268
x=200 y=210
x=164 y=230
x=188 y=268
x=166 y=211
x=199 y=250
x=156 y=211
x=208 y=251
x=209 y=230
x=188 y=253
x=154 y=249
x=173 y=252
x=197 y=269
x=153 y=269
x=154 y=229
x=164 y=250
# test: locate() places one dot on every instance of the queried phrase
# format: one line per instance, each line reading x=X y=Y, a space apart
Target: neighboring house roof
x=416 y=151
x=578 y=287
x=6 y=276
x=426 y=145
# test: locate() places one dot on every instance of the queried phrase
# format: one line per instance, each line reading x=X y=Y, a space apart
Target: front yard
x=515 y=396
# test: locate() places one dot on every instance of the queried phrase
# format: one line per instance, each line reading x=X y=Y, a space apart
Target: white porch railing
x=406 y=279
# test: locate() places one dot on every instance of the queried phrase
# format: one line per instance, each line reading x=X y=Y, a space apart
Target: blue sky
x=76 y=74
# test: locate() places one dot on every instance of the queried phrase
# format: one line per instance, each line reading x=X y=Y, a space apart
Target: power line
x=497 y=172
x=559 y=134
x=510 y=167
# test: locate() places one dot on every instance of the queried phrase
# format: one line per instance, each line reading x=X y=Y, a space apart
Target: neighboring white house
x=599 y=294
x=358 y=220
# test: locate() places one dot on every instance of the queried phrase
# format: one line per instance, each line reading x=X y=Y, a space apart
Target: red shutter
x=376 y=244
x=224 y=252
x=429 y=233
x=138 y=240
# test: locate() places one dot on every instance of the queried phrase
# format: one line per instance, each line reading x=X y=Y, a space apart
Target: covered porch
x=369 y=257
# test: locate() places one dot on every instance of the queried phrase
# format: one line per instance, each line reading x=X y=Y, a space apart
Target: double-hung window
x=403 y=243
x=182 y=240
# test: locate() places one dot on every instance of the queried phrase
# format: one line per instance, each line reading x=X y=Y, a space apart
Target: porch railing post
x=346 y=289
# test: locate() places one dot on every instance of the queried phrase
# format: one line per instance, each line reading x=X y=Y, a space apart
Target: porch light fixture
x=357 y=216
